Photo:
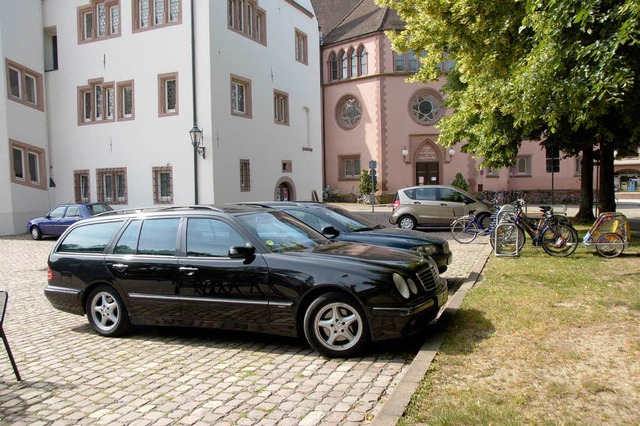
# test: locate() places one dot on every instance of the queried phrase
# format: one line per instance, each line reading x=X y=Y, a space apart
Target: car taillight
x=49 y=274
x=396 y=204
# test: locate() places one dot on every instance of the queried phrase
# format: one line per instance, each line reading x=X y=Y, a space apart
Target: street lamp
x=451 y=152
x=196 y=140
x=405 y=152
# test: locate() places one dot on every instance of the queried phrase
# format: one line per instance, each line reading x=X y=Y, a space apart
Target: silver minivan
x=435 y=206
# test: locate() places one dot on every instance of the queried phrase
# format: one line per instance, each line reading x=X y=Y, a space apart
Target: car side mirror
x=242 y=252
x=330 y=232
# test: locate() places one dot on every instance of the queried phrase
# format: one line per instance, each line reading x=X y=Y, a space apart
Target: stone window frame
x=82 y=180
x=245 y=175
x=414 y=113
x=343 y=161
x=26 y=150
x=158 y=172
x=115 y=196
x=163 y=107
x=23 y=94
x=342 y=119
x=167 y=21
x=90 y=35
x=301 y=46
x=247 y=18
x=90 y=95
x=280 y=107
x=247 y=111
x=121 y=87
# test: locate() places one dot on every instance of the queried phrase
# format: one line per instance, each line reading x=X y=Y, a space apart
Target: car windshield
x=280 y=232
x=98 y=208
x=350 y=221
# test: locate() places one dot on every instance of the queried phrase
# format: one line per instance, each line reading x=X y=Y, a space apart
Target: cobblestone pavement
x=160 y=376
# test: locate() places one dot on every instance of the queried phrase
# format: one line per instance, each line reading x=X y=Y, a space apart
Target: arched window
x=333 y=67
x=353 y=60
x=362 y=54
x=343 y=65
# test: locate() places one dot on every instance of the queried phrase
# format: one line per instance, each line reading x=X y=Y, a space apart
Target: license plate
x=442 y=298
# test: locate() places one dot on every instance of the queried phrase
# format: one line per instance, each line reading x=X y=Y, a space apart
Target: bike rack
x=506 y=226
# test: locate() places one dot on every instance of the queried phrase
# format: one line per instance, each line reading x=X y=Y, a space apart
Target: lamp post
x=405 y=152
x=451 y=153
x=196 y=140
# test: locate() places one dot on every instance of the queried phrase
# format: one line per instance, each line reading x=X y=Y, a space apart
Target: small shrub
x=460 y=182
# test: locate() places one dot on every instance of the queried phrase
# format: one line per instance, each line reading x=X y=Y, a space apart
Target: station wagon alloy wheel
x=334 y=326
x=106 y=312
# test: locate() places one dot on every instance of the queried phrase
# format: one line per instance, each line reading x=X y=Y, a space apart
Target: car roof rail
x=191 y=207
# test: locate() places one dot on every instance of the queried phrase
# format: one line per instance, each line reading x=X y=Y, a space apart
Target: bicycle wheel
x=559 y=240
x=610 y=245
x=464 y=230
x=509 y=238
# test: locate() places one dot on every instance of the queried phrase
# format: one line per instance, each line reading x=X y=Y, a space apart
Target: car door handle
x=188 y=270
x=416 y=202
x=120 y=267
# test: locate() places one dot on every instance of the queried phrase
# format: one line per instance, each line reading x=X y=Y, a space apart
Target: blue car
x=61 y=217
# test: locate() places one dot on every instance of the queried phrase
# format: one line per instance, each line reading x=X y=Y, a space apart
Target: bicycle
x=554 y=233
x=361 y=198
x=330 y=196
x=465 y=229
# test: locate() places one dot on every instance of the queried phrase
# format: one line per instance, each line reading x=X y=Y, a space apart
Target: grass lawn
x=541 y=340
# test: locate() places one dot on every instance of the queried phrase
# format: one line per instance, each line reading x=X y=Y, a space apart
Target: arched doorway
x=427 y=165
x=285 y=190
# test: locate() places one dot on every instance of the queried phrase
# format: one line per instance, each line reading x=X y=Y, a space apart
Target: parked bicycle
x=329 y=195
x=554 y=233
x=466 y=228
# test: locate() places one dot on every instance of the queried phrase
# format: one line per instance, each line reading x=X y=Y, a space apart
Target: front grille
x=427 y=277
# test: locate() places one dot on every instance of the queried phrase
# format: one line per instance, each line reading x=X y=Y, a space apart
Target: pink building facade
x=372 y=113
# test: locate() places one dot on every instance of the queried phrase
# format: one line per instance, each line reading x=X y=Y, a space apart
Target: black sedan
x=342 y=225
x=239 y=268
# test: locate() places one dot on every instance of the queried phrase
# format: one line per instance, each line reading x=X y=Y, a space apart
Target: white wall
x=20 y=41
x=259 y=139
x=150 y=141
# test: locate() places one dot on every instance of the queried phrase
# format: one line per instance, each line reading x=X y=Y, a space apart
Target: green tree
x=365 y=182
x=564 y=72
x=460 y=182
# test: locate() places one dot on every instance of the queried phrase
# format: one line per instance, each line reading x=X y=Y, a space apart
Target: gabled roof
x=342 y=20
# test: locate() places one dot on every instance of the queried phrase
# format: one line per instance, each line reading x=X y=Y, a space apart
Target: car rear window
x=98 y=208
x=93 y=238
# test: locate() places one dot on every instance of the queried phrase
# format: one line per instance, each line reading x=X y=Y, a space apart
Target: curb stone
x=394 y=408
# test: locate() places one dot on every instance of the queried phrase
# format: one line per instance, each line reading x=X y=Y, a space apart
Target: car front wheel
x=335 y=326
x=35 y=232
x=407 y=222
x=106 y=312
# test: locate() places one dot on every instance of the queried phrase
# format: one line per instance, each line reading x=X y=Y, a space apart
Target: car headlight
x=427 y=250
x=412 y=286
x=401 y=285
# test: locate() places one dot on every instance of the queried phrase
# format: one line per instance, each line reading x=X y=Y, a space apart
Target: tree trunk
x=606 y=195
x=585 y=212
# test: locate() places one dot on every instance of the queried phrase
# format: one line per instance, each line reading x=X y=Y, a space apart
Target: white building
x=124 y=81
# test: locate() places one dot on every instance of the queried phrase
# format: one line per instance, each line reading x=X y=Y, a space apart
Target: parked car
x=341 y=225
x=61 y=217
x=240 y=268
x=434 y=205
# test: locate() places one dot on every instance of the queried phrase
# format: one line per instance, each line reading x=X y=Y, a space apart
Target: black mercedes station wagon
x=240 y=268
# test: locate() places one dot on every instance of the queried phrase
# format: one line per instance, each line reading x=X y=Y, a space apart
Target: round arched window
x=425 y=107
x=348 y=112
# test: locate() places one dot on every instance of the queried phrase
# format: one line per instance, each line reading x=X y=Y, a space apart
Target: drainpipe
x=193 y=95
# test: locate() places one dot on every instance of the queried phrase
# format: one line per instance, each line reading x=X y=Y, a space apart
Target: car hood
x=414 y=238
x=361 y=254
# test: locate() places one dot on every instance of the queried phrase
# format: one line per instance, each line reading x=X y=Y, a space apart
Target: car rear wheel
x=336 y=326
x=35 y=232
x=106 y=312
x=407 y=222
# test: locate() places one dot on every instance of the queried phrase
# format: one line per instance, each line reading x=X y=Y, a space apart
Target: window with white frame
x=240 y=97
x=301 y=47
x=96 y=102
x=406 y=62
x=280 y=107
x=27 y=164
x=247 y=18
x=81 y=185
x=125 y=100
x=362 y=54
x=350 y=167
x=552 y=155
x=152 y=14
x=112 y=185
x=163 y=185
x=344 y=70
x=98 y=20
x=168 y=94
x=245 y=175
x=24 y=85
x=334 y=73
